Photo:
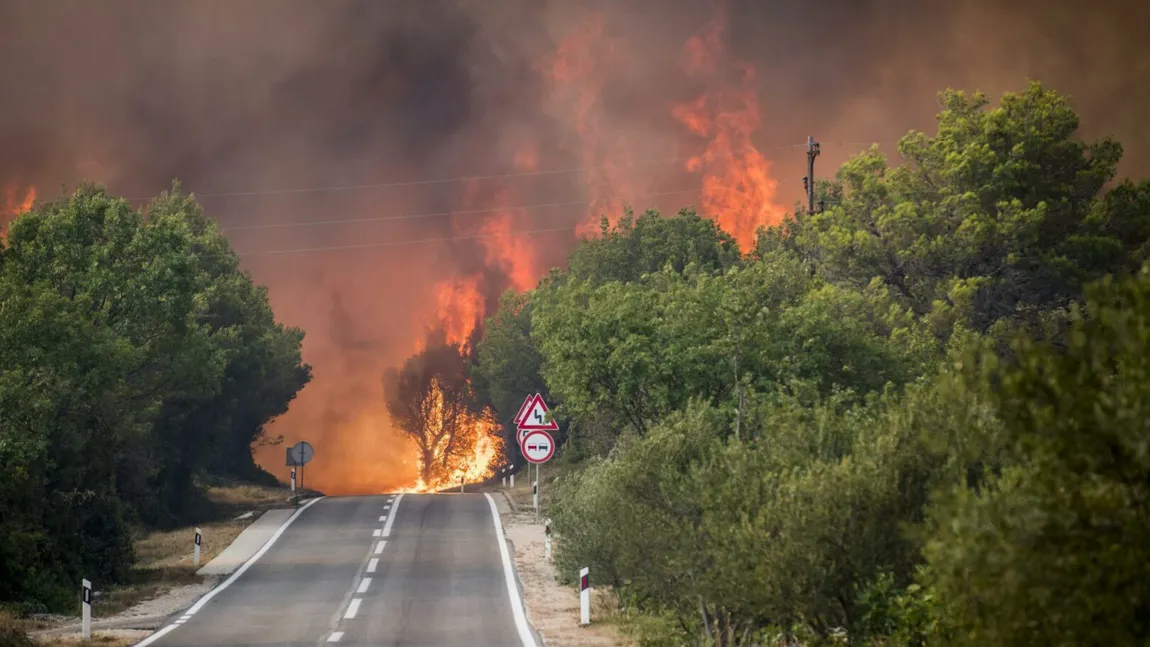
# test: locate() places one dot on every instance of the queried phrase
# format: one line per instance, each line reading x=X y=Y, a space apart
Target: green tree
x=638 y=246
x=1052 y=548
x=1001 y=214
x=124 y=341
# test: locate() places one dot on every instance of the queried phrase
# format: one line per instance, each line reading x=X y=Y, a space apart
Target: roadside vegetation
x=138 y=366
x=916 y=417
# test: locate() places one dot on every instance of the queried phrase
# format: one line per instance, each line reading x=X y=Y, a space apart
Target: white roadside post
x=461 y=484
x=198 y=540
x=585 y=596
x=503 y=474
x=293 y=480
x=86 y=609
x=547 y=541
x=512 y=476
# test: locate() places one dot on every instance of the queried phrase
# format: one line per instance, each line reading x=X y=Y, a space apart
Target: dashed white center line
x=379 y=547
x=375 y=533
x=371 y=564
x=363 y=584
x=352 y=609
x=383 y=517
x=335 y=636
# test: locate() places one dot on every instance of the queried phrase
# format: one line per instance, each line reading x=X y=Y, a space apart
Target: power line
x=395 y=243
x=414 y=216
x=464 y=178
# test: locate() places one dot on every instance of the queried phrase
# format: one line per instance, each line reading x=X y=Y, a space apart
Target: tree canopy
x=912 y=418
x=134 y=355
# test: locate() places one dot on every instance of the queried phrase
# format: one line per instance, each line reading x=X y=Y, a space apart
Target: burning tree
x=431 y=400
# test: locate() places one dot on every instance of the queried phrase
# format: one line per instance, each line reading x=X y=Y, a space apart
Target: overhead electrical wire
x=467 y=178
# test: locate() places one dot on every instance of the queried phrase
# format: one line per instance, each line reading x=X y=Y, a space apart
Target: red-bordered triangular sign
x=523 y=409
x=537 y=417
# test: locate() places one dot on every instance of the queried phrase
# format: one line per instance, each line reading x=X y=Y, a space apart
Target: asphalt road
x=437 y=578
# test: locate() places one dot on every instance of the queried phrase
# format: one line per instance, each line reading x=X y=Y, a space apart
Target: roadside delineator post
x=512 y=476
x=461 y=484
x=86 y=609
x=503 y=473
x=293 y=480
x=198 y=540
x=547 y=541
x=585 y=596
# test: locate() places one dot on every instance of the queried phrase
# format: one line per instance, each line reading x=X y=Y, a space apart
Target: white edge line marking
x=234 y=576
x=391 y=517
x=352 y=609
x=363 y=584
x=335 y=636
x=375 y=533
x=379 y=547
x=372 y=564
x=517 y=613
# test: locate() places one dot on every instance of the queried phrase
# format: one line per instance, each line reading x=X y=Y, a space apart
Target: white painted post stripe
x=371 y=564
x=363 y=584
x=352 y=609
x=517 y=613
x=235 y=576
x=379 y=547
x=391 y=517
x=335 y=636
x=375 y=533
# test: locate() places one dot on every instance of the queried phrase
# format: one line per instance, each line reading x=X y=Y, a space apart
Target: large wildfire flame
x=738 y=190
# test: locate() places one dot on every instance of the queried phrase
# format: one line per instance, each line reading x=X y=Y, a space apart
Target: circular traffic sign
x=537 y=446
x=302 y=452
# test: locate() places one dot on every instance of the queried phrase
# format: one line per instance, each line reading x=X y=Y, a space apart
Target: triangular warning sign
x=523 y=409
x=537 y=417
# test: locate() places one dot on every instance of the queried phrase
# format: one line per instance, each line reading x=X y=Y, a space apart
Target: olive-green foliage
x=638 y=246
x=893 y=424
x=133 y=354
x=1055 y=548
x=636 y=351
x=1001 y=214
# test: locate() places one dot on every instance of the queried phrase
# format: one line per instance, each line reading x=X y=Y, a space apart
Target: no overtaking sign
x=537 y=446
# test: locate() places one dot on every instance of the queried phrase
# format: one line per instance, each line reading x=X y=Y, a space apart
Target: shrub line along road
x=392 y=570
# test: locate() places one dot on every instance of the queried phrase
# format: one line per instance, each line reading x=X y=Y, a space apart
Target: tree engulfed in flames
x=430 y=398
x=458 y=446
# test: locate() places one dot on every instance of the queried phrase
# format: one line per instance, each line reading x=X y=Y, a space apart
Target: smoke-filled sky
x=253 y=103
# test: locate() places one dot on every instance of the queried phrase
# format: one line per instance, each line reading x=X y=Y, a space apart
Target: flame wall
x=705 y=99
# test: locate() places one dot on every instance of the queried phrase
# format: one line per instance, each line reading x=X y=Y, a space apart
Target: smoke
x=249 y=104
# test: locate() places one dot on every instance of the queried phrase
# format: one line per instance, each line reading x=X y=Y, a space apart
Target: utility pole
x=809 y=180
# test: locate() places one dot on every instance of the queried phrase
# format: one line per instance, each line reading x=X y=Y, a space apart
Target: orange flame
x=738 y=190
x=460 y=307
x=14 y=205
x=574 y=75
x=477 y=463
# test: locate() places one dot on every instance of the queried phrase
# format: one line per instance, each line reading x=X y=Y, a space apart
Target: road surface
x=413 y=570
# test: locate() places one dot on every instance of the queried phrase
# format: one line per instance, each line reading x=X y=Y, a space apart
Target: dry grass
x=165 y=559
x=103 y=640
x=243 y=498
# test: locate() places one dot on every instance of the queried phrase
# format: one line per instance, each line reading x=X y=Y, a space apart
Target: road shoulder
x=552 y=609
